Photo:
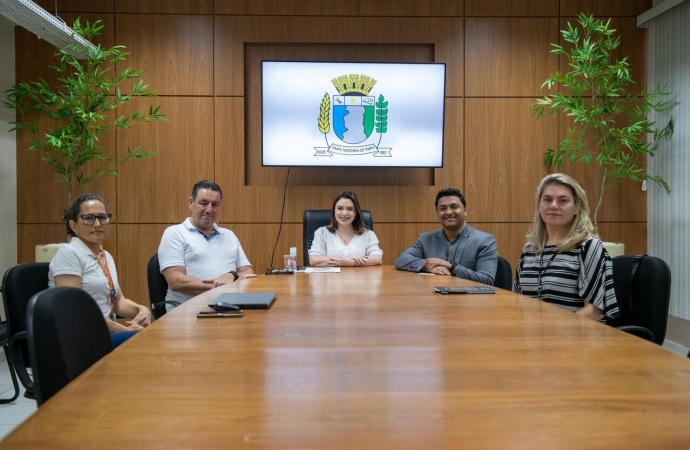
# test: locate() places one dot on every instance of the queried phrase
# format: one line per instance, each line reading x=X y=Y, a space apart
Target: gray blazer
x=476 y=254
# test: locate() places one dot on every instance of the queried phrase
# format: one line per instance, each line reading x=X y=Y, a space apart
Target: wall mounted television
x=337 y=114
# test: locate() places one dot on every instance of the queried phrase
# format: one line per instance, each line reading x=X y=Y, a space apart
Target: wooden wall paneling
x=398 y=237
x=136 y=244
x=41 y=197
x=633 y=235
x=79 y=6
x=233 y=33
x=452 y=173
x=509 y=57
x=258 y=175
x=400 y=204
x=31 y=235
x=174 y=51
x=450 y=47
x=510 y=238
x=503 y=162
x=524 y=8
x=155 y=190
x=258 y=241
x=166 y=7
x=380 y=8
x=229 y=152
x=607 y=8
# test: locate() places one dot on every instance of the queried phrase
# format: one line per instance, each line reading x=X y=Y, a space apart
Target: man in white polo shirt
x=198 y=255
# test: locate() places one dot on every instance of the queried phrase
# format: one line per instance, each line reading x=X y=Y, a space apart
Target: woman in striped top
x=564 y=262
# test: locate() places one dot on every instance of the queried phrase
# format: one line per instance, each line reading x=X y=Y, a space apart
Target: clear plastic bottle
x=293 y=259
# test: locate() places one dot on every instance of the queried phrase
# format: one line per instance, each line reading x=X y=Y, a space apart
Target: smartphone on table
x=206 y=314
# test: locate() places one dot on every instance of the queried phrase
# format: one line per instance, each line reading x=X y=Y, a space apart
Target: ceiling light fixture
x=44 y=25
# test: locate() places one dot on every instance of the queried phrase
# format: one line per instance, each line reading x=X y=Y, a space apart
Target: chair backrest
x=643 y=299
x=504 y=275
x=66 y=335
x=19 y=284
x=158 y=287
x=317 y=218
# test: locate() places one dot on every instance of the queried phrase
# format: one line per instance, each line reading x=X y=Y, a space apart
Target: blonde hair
x=580 y=228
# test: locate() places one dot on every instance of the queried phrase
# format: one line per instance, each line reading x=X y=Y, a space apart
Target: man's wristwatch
x=453 y=266
x=234 y=274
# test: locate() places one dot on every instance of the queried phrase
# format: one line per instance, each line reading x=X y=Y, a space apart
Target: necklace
x=345 y=240
x=543 y=269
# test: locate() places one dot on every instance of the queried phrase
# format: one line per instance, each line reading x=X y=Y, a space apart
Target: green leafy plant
x=79 y=110
x=596 y=96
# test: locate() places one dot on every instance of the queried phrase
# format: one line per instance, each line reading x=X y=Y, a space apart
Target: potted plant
x=610 y=128
x=80 y=109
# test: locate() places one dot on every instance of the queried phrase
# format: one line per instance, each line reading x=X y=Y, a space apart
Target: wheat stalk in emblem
x=324 y=116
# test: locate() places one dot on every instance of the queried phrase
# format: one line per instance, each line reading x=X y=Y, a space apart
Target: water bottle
x=293 y=259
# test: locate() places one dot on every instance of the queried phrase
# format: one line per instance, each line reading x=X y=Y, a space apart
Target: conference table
x=371 y=358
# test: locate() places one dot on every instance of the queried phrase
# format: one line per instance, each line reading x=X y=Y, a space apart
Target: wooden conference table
x=370 y=358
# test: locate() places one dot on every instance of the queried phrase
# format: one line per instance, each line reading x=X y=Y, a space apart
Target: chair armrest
x=18 y=360
x=159 y=308
x=642 y=332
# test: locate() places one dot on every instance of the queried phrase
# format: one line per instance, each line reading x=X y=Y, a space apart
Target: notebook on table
x=464 y=290
x=247 y=300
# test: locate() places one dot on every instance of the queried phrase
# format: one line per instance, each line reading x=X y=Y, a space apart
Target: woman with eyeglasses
x=82 y=263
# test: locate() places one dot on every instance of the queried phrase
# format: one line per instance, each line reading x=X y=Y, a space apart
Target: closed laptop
x=247 y=300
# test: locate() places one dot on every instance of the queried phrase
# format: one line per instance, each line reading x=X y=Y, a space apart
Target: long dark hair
x=357 y=224
x=72 y=213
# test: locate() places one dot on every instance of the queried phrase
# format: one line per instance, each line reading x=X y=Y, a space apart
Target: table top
x=366 y=358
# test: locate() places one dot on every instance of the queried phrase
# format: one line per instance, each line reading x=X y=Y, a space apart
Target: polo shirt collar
x=188 y=225
x=81 y=246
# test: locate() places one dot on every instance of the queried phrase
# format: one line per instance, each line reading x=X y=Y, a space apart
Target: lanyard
x=542 y=270
x=106 y=271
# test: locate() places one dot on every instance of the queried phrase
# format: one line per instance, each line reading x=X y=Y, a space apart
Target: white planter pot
x=45 y=253
x=614 y=248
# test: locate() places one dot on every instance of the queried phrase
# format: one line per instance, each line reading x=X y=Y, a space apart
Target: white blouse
x=329 y=244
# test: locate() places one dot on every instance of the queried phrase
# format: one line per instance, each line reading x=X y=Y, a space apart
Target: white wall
x=668 y=217
x=8 y=153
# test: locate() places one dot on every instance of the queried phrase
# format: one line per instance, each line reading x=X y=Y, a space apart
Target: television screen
x=352 y=114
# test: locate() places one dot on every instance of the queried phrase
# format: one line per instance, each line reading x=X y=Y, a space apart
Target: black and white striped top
x=568 y=279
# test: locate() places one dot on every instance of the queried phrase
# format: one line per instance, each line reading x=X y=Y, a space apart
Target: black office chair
x=643 y=291
x=66 y=335
x=504 y=275
x=316 y=218
x=4 y=341
x=19 y=284
x=158 y=288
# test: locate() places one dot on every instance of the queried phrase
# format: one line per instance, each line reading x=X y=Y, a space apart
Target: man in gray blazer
x=457 y=249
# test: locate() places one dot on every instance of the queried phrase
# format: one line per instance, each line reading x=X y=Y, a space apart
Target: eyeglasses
x=89 y=219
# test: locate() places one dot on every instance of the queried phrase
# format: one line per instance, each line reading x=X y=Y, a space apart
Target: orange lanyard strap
x=106 y=271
